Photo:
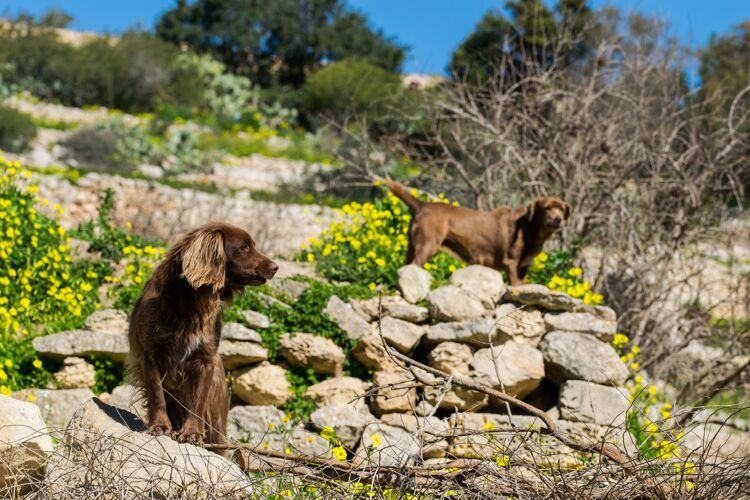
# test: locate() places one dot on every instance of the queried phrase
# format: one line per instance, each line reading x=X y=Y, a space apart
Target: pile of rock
x=531 y=342
x=539 y=345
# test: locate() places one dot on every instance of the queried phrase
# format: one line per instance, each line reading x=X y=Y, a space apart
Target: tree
x=725 y=63
x=532 y=36
x=280 y=41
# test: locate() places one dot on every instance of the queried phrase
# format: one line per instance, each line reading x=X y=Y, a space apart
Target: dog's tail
x=400 y=190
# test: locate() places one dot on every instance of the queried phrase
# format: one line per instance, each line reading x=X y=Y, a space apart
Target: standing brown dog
x=176 y=327
x=505 y=239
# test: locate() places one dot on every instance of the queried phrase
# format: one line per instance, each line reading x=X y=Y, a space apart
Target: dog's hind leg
x=425 y=239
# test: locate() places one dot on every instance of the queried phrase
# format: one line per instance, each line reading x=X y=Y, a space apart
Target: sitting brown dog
x=176 y=327
x=505 y=239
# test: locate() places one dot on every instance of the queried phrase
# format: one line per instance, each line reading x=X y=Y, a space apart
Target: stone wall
x=159 y=211
x=533 y=343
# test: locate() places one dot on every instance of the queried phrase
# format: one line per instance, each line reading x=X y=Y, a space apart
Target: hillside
x=619 y=370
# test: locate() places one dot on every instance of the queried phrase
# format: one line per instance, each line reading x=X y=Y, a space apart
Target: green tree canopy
x=725 y=63
x=534 y=34
x=278 y=41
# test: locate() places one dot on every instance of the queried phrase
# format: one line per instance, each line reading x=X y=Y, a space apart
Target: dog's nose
x=557 y=219
x=273 y=268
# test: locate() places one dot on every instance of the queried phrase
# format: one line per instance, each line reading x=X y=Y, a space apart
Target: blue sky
x=431 y=28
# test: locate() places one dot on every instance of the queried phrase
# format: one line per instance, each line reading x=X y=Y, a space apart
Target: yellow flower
x=652 y=390
x=502 y=460
x=634 y=366
x=636 y=349
x=339 y=453
x=488 y=426
x=310 y=257
x=3 y=375
x=31 y=397
x=328 y=433
x=8 y=363
x=375 y=440
x=575 y=271
x=5 y=390
x=372 y=286
x=620 y=340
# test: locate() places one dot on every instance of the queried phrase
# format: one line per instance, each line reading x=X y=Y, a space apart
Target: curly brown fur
x=175 y=331
x=506 y=239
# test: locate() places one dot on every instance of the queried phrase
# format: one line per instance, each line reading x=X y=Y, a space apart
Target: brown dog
x=505 y=239
x=176 y=327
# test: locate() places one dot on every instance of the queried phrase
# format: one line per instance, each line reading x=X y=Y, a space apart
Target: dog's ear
x=567 y=211
x=204 y=261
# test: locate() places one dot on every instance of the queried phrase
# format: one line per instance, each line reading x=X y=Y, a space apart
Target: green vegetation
x=42 y=289
x=17 y=130
x=278 y=42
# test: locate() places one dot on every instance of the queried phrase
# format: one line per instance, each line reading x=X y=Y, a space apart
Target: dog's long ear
x=567 y=211
x=204 y=261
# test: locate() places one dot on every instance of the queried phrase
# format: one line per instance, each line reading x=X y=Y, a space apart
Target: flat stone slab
x=83 y=343
x=236 y=331
x=543 y=297
x=593 y=403
x=580 y=356
x=235 y=354
x=600 y=328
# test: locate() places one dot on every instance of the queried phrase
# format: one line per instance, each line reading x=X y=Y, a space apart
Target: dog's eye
x=245 y=247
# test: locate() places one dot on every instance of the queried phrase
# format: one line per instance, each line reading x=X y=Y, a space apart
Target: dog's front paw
x=160 y=430
x=190 y=437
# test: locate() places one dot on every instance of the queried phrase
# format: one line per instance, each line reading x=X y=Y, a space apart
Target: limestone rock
x=372 y=354
x=423 y=408
x=290 y=287
x=83 y=343
x=394 y=393
x=107 y=320
x=414 y=283
x=265 y=384
x=235 y=354
x=717 y=443
x=255 y=319
x=579 y=356
x=393 y=306
x=57 y=405
x=346 y=421
x=76 y=373
x=518 y=368
x=402 y=335
x=450 y=303
x=306 y=443
x=257 y=426
x=483 y=282
x=129 y=398
x=602 y=329
x=397 y=446
x=339 y=390
x=451 y=357
x=269 y=301
x=458 y=398
x=107 y=450
x=24 y=446
x=524 y=326
x=541 y=296
x=478 y=332
x=593 y=403
x=349 y=321
x=430 y=431
x=312 y=351
x=236 y=331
